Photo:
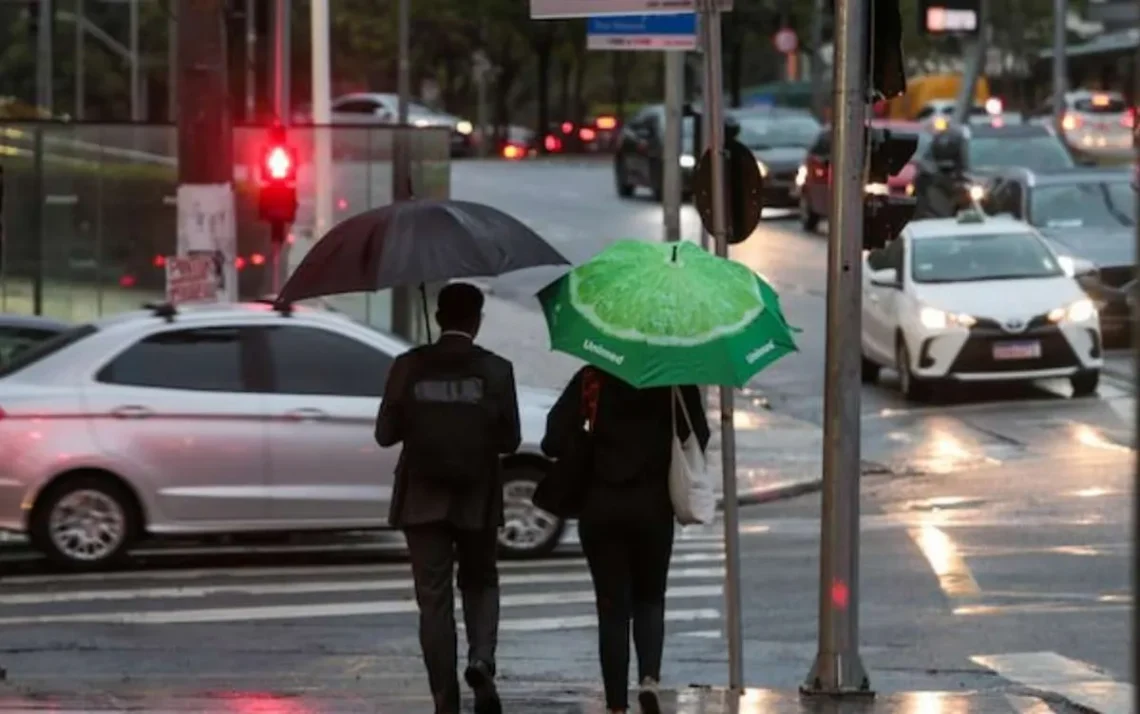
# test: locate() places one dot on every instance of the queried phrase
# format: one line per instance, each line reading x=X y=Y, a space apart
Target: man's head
x=460 y=308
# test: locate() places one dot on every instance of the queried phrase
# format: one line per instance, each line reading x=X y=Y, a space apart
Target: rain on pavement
x=995 y=549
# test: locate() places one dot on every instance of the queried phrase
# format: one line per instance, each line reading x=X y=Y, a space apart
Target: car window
x=968 y=258
x=1099 y=104
x=357 y=106
x=311 y=360
x=926 y=113
x=1108 y=204
x=1036 y=153
x=14 y=340
x=39 y=351
x=205 y=359
x=765 y=132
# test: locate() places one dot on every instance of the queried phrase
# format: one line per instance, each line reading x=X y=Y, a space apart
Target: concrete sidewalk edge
x=1117 y=373
x=777 y=492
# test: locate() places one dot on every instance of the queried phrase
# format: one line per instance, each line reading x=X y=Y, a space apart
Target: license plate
x=1017 y=350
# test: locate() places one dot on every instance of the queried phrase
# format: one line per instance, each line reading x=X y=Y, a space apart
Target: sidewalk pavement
x=700 y=700
x=777 y=456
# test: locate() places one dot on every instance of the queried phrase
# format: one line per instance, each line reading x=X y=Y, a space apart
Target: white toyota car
x=974 y=299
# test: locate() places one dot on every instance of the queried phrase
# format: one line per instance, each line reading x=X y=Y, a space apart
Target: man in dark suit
x=446 y=519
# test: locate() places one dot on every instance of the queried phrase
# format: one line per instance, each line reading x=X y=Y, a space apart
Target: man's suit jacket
x=419 y=501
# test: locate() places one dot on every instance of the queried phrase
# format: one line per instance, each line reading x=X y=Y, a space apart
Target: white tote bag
x=690 y=487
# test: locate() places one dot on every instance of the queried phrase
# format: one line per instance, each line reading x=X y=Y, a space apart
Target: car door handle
x=307 y=414
x=132 y=411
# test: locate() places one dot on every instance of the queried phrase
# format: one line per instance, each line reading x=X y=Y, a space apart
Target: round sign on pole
x=786 y=41
x=743 y=191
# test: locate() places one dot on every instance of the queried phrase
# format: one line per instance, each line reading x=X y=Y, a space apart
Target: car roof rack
x=165 y=310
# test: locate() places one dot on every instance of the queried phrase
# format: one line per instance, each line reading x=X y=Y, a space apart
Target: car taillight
x=1071 y=122
x=2 y=414
x=553 y=143
x=1128 y=121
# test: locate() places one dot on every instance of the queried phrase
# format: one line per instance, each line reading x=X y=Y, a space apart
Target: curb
x=770 y=494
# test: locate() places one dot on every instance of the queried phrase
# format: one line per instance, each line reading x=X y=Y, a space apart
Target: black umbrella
x=414 y=243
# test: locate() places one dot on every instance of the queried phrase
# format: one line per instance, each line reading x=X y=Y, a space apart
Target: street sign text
x=642 y=32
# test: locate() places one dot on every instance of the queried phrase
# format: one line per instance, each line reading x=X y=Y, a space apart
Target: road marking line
x=1038 y=609
x=346 y=609
x=308 y=571
x=954 y=576
x=550 y=624
x=1072 y=679
x=201 y=591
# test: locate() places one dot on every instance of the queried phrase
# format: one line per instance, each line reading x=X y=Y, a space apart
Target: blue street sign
x=643 y=32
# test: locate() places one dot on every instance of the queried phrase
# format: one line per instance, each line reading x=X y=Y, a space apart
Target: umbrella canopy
x=417 y=242
x=658 y=314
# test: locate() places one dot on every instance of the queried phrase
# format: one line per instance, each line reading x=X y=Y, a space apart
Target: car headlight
x=464 y=127
x=910 y=189
x=1081 y=311
x=934 y=319
x=688 y=161
x=421 y=123
x=977 y=192
x=877 y=189
x=801 y=176
x=763 y=169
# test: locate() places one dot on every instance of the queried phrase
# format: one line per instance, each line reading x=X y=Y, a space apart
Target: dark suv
x=640 y=151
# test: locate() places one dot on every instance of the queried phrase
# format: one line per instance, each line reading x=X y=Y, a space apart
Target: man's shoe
x=482 y=682
x=647 y=697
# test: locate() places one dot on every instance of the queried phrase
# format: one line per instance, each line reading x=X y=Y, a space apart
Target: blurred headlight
x=763 y=169
x=421 y=122
x=801 y=176
x=977 y=192
x=941 y=123
x=688 y=162
x=935 y=319
x=464 y=127
x=1081 y=311
x=910 y=189
x=877 y=189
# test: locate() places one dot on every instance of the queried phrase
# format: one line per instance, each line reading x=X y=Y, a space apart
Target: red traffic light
x=278 y=163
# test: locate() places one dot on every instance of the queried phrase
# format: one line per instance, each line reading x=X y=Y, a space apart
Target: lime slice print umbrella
x=667 y=314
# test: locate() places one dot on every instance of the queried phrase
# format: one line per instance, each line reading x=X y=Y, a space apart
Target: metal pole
x=276 y=240
x=250 y=62
x=671 y=155
x=706 y=139
x=172 y=63
x=1136 y=413
x=45 y=71
x=974 y=66
x=136 y=85
x=322 y=116
x=403 y=301
x=38 y=222
x=714 y=129
x=80 y=59
x=838 y=668
x=281 y=61
x=1060 y=66
x=819 y=92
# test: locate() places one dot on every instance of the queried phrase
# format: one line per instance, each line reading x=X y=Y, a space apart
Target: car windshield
x=961 y=259
x=1101 y=105
x=770 y=132
x=1108 y=204
x=1036 y=153
x=43 y=349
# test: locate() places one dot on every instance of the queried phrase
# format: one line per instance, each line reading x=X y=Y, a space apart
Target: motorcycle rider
x=941 y=187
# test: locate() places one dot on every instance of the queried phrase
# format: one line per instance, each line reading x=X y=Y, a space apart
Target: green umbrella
x=663 y=314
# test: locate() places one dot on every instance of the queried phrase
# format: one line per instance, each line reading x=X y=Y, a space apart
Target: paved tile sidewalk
x=548 y=701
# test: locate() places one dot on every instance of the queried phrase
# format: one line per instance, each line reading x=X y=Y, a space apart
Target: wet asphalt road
x=995 y=551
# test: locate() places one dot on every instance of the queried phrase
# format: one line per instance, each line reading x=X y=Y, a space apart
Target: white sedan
x=975 y=299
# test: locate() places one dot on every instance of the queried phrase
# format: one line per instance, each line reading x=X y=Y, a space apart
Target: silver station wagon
x=215 y=420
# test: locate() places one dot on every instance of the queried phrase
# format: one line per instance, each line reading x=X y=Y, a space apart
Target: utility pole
x=482 y=69
x=205 y=142
x=1060 y=66
x=975 y=66
x=45 y=68
x=713 y=128
x=403 y=323
x=136 y=77
x=818 y=91
x=250 y=62
x=282 y=61
x=80 y=60
x=322 y=117
x=671 y=188
x=838 y=668
x=172 y=71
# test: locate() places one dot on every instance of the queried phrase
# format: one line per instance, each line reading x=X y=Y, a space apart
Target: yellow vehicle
x=924 y=89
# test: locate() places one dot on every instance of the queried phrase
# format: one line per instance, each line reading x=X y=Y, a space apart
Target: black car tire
x=870 y=371
x=101 y=487
x=1085 y=384
x=914 y=389
x=519 y=514
x=624 y=188
x=808 y=218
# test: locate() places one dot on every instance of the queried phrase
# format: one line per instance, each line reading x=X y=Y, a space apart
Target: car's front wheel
x=85 y=523
x=1085 y=384
x=527 y=532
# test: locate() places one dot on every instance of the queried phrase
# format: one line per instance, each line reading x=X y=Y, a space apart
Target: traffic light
x=277 y=199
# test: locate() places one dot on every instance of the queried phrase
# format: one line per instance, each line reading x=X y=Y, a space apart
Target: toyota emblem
x=1014 y=325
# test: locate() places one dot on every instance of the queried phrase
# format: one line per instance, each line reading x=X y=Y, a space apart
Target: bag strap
x=591 y=390
x=679 y=397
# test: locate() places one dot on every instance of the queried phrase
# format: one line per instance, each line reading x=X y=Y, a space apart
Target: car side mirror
x=886 y=278
x=1083 y=268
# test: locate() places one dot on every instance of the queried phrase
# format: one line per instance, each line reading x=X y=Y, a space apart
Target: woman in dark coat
x=626 y=526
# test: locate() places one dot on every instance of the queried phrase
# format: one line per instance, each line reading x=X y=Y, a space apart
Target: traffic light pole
x=975 y=63
x=713 y=124
x=277 y=232
x=838 y=669
x=671 y=156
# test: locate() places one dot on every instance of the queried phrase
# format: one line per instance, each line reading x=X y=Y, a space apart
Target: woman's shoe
x=647 y=697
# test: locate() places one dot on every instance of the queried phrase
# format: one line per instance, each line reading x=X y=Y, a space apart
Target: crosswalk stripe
x=552 y=624
x=202 y=591
x=1072 y=679
x=348 y=609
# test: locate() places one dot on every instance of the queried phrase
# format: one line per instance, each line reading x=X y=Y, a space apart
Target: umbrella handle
x=427 y=317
